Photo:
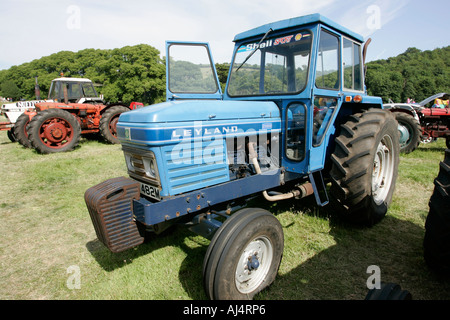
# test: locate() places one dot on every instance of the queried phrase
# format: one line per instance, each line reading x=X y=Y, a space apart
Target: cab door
x=190 y=72
x=327 y=96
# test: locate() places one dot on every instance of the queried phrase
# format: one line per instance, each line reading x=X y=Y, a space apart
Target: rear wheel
x=11 y=136
x=108 y=123
x=20 y=130
x=365 y=165
x=54 y=130
x=389 y=291
x=437 y=226
x=244 y=255
x=409 y=131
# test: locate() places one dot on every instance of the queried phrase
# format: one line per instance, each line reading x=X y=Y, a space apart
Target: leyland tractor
x=73 y=108
x=293 y=121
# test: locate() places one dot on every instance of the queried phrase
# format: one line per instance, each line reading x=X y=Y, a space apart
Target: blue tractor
x=294 y=120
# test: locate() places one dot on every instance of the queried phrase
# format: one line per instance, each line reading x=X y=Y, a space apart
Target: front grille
x=182 y=167
x=193 y=166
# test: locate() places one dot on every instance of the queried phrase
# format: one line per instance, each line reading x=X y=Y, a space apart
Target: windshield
x=75 y=90
x=190 y=69
x=277 y=65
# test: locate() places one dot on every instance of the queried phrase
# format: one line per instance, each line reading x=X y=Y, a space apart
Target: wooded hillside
x=413 y=74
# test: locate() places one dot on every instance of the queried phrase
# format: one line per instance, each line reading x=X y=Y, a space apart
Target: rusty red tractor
x=422 y=122
x=74 y=109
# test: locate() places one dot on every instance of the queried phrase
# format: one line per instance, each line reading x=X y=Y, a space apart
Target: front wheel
x=20 y=130
x=365 y=166
x=54 y=130
x=244 y=255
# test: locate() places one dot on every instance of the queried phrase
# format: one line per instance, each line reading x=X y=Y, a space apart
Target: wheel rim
x=55 y=132
x=426 y=139
x=254 y=264
x=113 y=125
x=25 y=132
x=405 y=134
x=383 y=170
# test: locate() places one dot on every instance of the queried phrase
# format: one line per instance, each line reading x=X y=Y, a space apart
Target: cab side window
x=352 y=66
x=327 y=70
x=295 y=133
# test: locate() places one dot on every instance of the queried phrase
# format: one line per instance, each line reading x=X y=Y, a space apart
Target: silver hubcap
x=404 y=134
x=254 y=264
x=383 y=170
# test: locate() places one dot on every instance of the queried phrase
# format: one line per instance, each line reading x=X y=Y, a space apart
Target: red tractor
x=422 y=122
x=75 y=109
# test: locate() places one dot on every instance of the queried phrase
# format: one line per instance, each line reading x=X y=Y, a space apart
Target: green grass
x=45 y=229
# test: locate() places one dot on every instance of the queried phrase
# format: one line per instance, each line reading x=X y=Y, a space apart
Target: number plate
x=150 y=191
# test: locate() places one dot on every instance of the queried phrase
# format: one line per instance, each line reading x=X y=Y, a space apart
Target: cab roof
x=72 y=79
x=297 y=22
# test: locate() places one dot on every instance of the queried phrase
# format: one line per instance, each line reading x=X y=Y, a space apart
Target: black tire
x=409 y=130
x=388 y=291
x=54 y=130
x=108 y=123
x=447 y=141
x=20 y=130
x=437 y=226
x=364 y=166
x=250 y=230
x=11 y=136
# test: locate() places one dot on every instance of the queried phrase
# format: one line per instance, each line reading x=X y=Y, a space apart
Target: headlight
x=141 y=165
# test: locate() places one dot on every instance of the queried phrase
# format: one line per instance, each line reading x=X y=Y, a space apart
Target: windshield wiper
x=257 y=48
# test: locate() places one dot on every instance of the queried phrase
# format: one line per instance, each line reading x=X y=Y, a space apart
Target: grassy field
x=47 y=240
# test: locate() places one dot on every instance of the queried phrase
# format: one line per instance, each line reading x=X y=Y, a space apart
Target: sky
x=31 y=29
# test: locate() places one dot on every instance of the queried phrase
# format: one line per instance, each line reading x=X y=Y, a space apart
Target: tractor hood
x=174 y=120
x=201 y=110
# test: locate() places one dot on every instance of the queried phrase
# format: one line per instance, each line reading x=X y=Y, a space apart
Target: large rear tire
x=388 y=291
x=108 y=123
x=437 y=226
x=364 y=166
x=54 y=130
x=244 y=255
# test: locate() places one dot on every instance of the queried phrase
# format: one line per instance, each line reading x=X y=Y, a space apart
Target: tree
x=222 y=72
x=10 y=90
x=412 y=74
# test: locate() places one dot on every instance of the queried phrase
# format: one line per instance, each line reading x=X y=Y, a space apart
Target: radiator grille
x=192 y=166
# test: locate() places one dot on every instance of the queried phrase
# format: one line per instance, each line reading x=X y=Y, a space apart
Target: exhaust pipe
x=303 y=190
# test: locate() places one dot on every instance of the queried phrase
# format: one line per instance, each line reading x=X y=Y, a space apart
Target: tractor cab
x=309 y=67
x=73 y=90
